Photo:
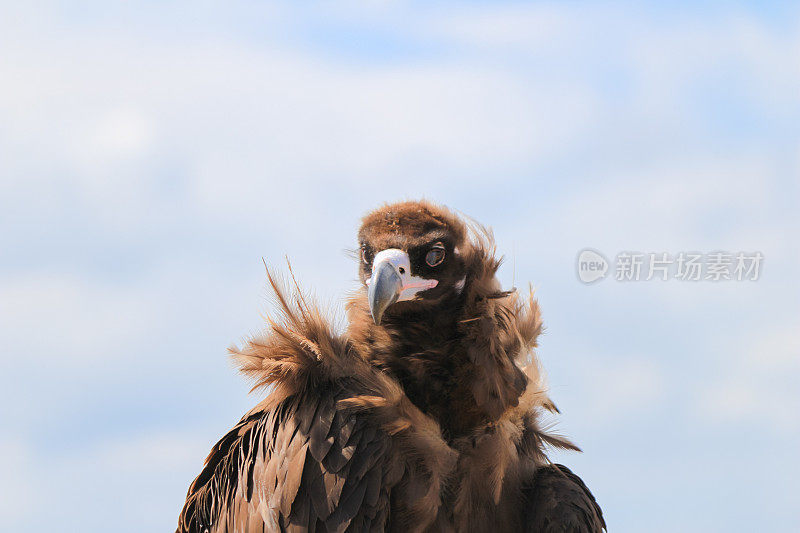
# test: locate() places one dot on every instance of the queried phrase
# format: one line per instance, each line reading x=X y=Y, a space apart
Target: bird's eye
x=365 y=255
x=435 y=255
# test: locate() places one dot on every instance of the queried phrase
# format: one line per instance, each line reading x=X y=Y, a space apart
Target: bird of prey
x=424 y=414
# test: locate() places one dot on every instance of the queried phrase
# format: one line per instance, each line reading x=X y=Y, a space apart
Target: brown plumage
x=424 y=415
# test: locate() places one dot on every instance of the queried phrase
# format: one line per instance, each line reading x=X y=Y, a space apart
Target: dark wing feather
x=304 y=465
x=324 y=451
x=558 y=501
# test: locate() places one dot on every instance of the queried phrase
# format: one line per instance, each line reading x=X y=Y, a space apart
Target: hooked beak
x=384 y=289
x=391 y=282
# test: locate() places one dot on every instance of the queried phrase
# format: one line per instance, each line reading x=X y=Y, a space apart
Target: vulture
x=423 y=414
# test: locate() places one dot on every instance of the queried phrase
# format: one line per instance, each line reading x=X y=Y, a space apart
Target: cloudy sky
x=152 y=153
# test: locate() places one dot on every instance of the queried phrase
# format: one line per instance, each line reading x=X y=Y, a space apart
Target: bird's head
x=411 y=256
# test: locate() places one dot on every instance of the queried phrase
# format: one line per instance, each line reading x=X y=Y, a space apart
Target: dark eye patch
x=366 y=254
x=435 y=255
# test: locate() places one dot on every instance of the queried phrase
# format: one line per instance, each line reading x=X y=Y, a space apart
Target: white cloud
x=154 y=452
x=239 y=124
x=18 y=490
x=669 y=203
x=82 y=489
x=615 y=388
x=117 y=135
x=758 y=379
x=528 y=28
x=63 y=321
x=672 y=59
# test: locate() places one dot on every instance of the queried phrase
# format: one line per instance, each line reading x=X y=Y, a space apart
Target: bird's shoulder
x=557 y=500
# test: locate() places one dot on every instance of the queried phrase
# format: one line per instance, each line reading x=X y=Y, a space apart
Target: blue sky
x=152 y=153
